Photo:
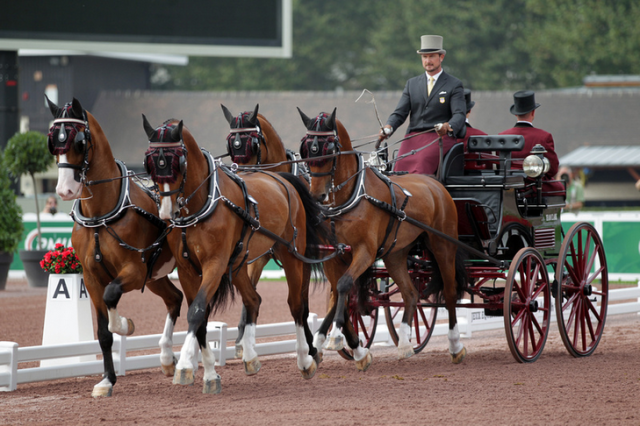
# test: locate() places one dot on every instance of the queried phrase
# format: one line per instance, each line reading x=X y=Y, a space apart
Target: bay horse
x=112 y=218
x=253 y=141
x=370 y=213
x=221 y=221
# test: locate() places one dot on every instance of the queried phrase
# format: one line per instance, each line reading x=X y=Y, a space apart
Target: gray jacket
x=446 y=104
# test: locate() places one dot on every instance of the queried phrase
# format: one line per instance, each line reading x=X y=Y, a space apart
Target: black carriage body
x=500 y=209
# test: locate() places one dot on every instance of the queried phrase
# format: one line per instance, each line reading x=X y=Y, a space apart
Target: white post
x=67 y=317
x=10 y=368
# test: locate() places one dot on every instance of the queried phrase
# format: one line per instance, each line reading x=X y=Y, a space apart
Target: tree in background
x=27 y=153
x=498 y=45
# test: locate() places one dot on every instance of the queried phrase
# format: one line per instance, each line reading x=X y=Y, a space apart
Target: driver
x=431 y=98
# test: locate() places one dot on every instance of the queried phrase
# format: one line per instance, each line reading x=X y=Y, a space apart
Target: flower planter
x=36 y=276
x=67 y=317
x=5 y=263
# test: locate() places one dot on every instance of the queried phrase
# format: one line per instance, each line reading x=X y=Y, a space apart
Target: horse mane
x=343 y=135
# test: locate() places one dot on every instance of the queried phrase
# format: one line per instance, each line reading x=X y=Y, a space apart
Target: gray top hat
x=524 y=101
x=431 y=44
x=467 y=99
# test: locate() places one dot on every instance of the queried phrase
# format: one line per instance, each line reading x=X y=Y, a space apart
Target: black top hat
x=524 y=101
x=467 y=98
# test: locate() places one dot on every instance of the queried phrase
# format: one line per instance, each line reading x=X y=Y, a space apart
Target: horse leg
x=251 y=301
x=197 y=318
x=445 y=255
x=117 y=324
x=333 y=270
x=361 y=260
x=173 y=300
x=321 y=335
x=396 y=264
x=255 y=271
x=298 y=281
x=361 y=355
x=105 y=337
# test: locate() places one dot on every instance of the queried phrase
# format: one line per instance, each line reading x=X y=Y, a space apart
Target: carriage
x=521 y=264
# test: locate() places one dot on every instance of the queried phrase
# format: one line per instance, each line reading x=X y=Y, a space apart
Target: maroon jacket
x=471 y=131
x=533 y=137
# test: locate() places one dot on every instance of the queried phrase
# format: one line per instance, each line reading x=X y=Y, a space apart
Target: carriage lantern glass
x=536 y=164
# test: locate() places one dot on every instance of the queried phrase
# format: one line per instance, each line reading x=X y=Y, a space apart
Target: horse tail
x=436 y=284
x=223 y=296
x=317 y=230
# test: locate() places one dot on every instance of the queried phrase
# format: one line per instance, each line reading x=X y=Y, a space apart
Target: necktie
x=430 y=86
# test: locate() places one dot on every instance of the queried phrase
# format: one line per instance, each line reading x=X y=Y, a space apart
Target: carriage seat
x=494 y=150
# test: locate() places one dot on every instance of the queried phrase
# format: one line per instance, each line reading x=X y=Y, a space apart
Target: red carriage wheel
x=423 y=322
x=527 y=305
x=583 y=291
x=364 y=325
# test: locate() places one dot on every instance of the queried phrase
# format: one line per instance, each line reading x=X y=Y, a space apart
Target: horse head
x=166 y=163
x=321 y=141
x=70 y=141
x=245 y=136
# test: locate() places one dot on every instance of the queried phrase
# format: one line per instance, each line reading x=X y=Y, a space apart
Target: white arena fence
x=222 y=341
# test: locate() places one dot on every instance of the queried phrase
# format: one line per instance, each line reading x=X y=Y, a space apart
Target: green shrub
x=11 y=227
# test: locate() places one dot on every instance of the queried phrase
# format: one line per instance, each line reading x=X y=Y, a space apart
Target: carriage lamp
x=536 y=164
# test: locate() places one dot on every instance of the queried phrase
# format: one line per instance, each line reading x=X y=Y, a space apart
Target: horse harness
x=124 y=203
x=322 y=143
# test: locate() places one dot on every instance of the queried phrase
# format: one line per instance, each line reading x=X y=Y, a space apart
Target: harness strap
x=97 y=255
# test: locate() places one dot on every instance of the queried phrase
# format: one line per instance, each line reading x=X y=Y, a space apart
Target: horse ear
x=306 y=120
x=332 y=119
x=227 y=114
x=76 y=108
x=150 y=131
x=253 y=118
x=176 y=133
x=52 y=107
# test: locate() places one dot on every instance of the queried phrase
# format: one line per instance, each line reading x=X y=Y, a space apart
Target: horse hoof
x=318 y=357
x=239 y=351
x=405 y=352
x=457 y=358
x=308 y=373
x=252 y=367
x=169 y=370
x=130 y=327
x=100 y=391
x=334 y=344
x=183 y=377
x=364 y=364
x=212 y=387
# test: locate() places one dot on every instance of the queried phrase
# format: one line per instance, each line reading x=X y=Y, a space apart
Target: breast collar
x=124 y=201
x=212 y=197
x=356 y=195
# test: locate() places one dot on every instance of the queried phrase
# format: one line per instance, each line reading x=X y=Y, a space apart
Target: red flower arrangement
x=61 y=260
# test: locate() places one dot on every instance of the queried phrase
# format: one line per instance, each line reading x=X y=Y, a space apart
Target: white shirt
x=434 y=77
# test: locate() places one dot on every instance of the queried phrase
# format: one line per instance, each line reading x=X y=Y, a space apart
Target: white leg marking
x=455 y=346
x=335 y=332
x=166 y=343
x=302 y=349
x=404 y=335
x=189 y=353
x=209 y=364
x=318 y=341
x=249 y=343
x=117 y=324
x=360 y=352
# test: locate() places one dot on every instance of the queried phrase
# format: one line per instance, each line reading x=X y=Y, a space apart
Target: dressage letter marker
x=67 y=317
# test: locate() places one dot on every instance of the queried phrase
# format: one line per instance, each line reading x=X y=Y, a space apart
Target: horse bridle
x=157 y=153
x=81 y=142
x=239 y=138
